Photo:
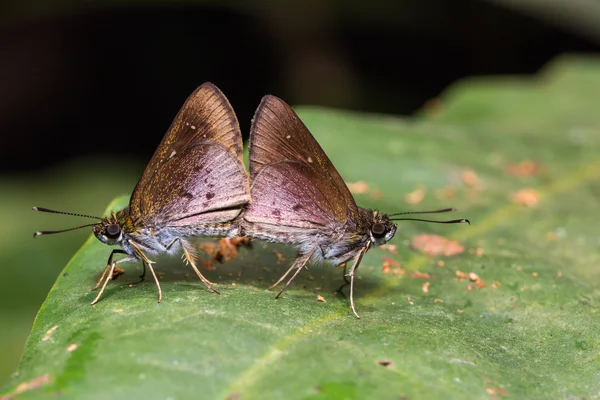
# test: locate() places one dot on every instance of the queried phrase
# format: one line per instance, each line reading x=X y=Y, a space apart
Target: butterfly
x=299 y=198
x=195 y=184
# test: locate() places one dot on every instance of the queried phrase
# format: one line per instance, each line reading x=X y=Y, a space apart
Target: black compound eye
x=113 y=231
x=378 y=229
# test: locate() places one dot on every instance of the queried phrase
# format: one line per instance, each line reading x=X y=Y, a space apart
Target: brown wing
x=293 y=181
x=200 y=155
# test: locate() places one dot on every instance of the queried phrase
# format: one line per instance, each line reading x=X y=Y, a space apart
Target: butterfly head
x=382 y=229
x=111 y=229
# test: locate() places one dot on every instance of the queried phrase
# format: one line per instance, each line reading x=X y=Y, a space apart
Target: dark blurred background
x=89 y=88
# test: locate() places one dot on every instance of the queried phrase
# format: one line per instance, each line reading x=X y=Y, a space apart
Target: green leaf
x=536 y=335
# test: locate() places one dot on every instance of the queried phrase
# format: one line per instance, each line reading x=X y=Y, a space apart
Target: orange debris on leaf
x=117 y=272
x=377 y=194
x=392 y=248
x=445 y=193
x=360 y=187
x=416 y=196
x=420 y=275
x=321 y=299
x=469 y=177
x=473 y=277
x=386 y=267
x=526 y=197
x=425 y=287
x=436 y=245
x=523 y=168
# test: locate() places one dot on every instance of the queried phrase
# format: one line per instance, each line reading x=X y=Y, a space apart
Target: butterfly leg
x=149 y=263
x=357 y=261
x=298 y=263
x=142 y=276
x=346 y=281
x=108 y=271
x=108 y=266
x=188 y=254
x=190 y=259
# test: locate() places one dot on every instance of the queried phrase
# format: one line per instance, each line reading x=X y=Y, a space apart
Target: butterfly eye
x=378 y=229
x=113 y=231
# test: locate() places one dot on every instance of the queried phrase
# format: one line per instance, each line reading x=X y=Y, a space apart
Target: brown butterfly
x=299 y=198
x=195 y=184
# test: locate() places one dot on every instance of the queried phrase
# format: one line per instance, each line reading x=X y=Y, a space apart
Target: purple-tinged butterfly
x=299 y=198
x=195 y=184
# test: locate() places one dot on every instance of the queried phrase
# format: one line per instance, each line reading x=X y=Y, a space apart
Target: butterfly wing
x=197 y=173
x=294 y=184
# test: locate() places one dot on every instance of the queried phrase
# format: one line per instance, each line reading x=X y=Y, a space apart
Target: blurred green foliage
x=31 y=266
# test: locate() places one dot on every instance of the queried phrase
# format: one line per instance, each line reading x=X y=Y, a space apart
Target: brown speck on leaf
x=117 y=272
x=459 y=311
x=425 y=287
x=280 y=256
x=376 y=194
x=551 y=236
x=420 y=275
x=523 y=168
x=384 y=363
x=461 y=275
x=493 y=391
x=495 y=284
x=559 y=274
x=526 y=197
x=409 y=299
x=233 y=284
x=359 y=187
x=321 y=299
x=233 y=396
x=446 y=193
x=388 y=263
x=438 y=300
x=49 y=333
x=534 y=274
x=436 y=245
x=310 y=278
x=392 y=248
x=31 y=384
x=440 y=263
x=51 y=330
x=118 y=310
x=473 y=277
x=469 y=177
x=416 y=196
x=71 y=347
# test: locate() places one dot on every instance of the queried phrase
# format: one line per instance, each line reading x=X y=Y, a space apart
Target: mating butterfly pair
x=196 y=185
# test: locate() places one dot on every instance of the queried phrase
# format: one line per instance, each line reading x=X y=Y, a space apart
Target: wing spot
x=297 y=207
x=310 y=160
x=187 y=195
x=288 y=137
x=172 y=154
x=276 y=213
x=209 y=196
x=193 y=127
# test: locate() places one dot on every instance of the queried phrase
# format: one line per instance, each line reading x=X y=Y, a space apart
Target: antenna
x=40 y=233
x=454 y=221
x=62 y=212
x=443 y=210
